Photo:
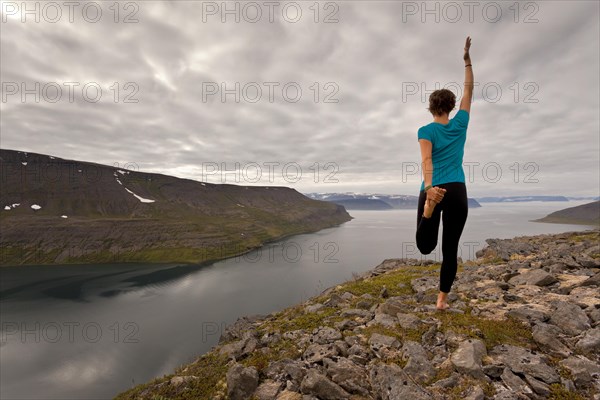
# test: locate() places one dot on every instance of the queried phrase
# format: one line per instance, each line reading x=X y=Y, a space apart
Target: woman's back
x=448 y=144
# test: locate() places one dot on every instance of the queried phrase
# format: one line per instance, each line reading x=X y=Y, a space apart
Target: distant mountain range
x=364 y=201
x=513 y=199
x=54 y=210
x=585 y=214
x=374 y=201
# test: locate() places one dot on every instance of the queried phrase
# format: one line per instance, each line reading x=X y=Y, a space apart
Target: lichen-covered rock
x=390 y=382
x=522 y=361
x=467 y=359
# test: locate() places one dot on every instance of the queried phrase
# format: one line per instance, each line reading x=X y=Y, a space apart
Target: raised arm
x=465 y=103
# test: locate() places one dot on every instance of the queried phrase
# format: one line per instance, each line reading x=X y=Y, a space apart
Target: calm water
x=90 y=332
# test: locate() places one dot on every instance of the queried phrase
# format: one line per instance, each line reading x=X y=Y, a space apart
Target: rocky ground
x=524 y=323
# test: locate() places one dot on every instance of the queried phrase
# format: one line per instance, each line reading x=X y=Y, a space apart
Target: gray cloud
x=370 y=56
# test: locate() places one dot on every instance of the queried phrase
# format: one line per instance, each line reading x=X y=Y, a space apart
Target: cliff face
x=64 y=211
x=524 y=323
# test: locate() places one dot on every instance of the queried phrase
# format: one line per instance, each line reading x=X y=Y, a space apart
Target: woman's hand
x=435 y=194
x=467 y=56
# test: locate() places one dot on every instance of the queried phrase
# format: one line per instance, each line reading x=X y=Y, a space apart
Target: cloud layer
x=364 y=84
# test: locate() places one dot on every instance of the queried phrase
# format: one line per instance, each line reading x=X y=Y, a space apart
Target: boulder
x=537 y=277
x=390 y=382
x=241 y=382
x=467 y=359
x=350 y=376
x=570 y=318
x=418 y=365
x=547 y=336
x=590 y=342
x=268 y=390
x=582 y=369
x=522 y=361
x=316 y=352
x=317 y=384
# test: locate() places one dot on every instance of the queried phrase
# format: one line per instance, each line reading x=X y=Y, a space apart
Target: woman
x=443 y=190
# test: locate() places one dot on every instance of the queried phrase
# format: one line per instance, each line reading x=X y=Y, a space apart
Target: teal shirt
x=448 y=148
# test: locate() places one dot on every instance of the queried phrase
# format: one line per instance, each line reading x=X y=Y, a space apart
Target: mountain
x=54 y=210
x=523 y=323
x=512 y=199
x=366 y=201
x=585 y=214
x=584 y=198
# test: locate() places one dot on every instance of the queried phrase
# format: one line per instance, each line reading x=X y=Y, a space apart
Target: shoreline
x=182 y=263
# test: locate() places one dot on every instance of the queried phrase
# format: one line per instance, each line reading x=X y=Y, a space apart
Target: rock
x=590 y=342
x=355 y=312
x=522 y=361
x=547 y=336
x=424 y=283
x=180 y=380
x=514 y=383
x=316 y=352
x=289 y=395
x=570 y=318
x=528 y=314
x=582 y=370
x=509 y=395
x=390 y=382
x=476 y=393
x=418 y=365
x=358 y=354
x=467 y=359
x=313 y=308
x=241 y=382
x=588 y=262
x=384 y=292
x=319 y=385
x=446 y=383
x=537 y=386
x=347 y=296
x=325 y=334
x=382 y=344
x=592 y=281
x=594 y=315
x=392 y=306
x=493 y=370
x=286 y=368
x=383 y=319
x=345 y=324
x=364 y=304
x=268 y=390
x=537 y=277
x=242 y=328
x=240 y=348
x=348 y=375
x=409 y=321
x=335 y=301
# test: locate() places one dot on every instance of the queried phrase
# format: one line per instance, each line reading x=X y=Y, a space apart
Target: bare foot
x=442 y=301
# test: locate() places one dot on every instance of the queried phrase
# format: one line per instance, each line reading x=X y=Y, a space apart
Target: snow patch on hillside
x=140 y=198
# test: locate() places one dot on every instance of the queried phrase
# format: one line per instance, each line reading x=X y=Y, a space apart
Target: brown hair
x=441 y=101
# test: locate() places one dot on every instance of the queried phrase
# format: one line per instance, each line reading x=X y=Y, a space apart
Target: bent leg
x=454 y=218
x=427 y=228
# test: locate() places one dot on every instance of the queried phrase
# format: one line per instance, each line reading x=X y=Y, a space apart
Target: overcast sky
x=364 y=77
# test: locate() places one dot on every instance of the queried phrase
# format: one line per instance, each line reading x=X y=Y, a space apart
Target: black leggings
x=455 y=209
